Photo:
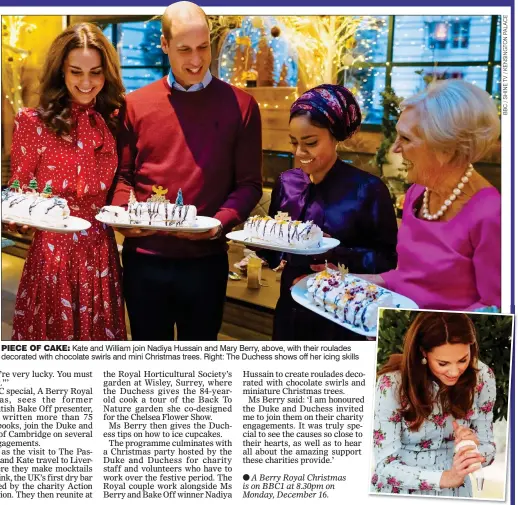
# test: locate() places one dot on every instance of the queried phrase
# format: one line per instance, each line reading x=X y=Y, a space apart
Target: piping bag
x=478 y=474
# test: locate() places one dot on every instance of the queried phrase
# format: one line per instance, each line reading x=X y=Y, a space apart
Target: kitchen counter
x=248 y=313
x=265 y=297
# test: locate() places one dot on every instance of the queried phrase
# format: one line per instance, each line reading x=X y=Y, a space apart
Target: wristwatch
x=218 y=233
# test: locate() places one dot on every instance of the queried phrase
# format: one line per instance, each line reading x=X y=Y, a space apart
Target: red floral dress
x=70 y=287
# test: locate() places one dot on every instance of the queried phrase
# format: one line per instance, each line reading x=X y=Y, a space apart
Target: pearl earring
x=424 y=361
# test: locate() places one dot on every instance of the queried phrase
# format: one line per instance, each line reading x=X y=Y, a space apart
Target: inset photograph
x=441 y=403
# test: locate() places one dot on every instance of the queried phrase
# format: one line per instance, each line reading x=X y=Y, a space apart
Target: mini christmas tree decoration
x=179 y=197
x=15 y=186
x=47 y=191
x=33 y=185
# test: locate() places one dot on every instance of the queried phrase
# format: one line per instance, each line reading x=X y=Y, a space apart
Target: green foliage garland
x=390 y=103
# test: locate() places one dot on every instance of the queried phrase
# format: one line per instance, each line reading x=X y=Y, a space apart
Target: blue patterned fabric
x=332 y=106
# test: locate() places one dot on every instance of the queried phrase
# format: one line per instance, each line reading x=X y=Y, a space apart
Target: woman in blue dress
x=428 y=399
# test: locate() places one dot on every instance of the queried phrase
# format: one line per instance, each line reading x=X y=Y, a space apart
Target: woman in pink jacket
x=450 y=236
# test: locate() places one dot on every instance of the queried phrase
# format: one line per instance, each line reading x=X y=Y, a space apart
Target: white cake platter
x=241 y=237
x=203 y=223
x=71 y=225
x=299 y=292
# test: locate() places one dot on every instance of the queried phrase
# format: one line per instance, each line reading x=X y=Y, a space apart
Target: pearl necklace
x=447 y=203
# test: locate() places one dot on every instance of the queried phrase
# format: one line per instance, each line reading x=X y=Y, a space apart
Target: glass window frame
x=390 y=64
x=164 y=67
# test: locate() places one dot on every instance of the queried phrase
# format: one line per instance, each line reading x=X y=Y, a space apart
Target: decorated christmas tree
x=284 y=74
x=264 y=63
x=179 y=197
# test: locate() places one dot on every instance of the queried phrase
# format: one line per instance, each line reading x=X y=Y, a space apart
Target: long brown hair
x=54 y=108
x=429 y=330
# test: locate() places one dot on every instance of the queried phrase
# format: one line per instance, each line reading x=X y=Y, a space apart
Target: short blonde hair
x=456 y=117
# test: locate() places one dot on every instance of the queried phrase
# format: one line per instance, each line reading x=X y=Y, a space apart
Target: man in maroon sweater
x=195 y=132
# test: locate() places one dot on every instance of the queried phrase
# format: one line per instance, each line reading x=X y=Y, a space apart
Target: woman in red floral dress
x=71 y=283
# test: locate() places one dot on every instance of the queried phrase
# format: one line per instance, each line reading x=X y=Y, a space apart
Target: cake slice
x=31 y=206
x=350 y=299
x=155 y=211
x=284 y=232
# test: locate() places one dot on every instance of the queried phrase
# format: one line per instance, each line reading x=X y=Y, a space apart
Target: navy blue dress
x=350 y=205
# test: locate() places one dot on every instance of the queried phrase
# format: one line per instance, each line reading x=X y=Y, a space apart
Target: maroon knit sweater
x=207 y=142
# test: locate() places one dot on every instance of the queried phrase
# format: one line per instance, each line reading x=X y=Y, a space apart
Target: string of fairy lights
x=303 y=51
x=363 y=65
x=13 y=58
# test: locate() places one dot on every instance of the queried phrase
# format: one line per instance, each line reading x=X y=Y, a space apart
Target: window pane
x=139 y=43
x=135 y=78
x=496 y=81
x=367 y=84
x=498 y=50
x=496 y=89
x=441 y=38
x=372 y=39
x=108 y=32
x=406 y=82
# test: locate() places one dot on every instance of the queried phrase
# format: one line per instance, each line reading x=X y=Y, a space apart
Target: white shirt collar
x=195 y=87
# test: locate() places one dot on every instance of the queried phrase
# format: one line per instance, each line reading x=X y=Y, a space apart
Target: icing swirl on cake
x=17 y=206
x=283 y=232
x=350 y=299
